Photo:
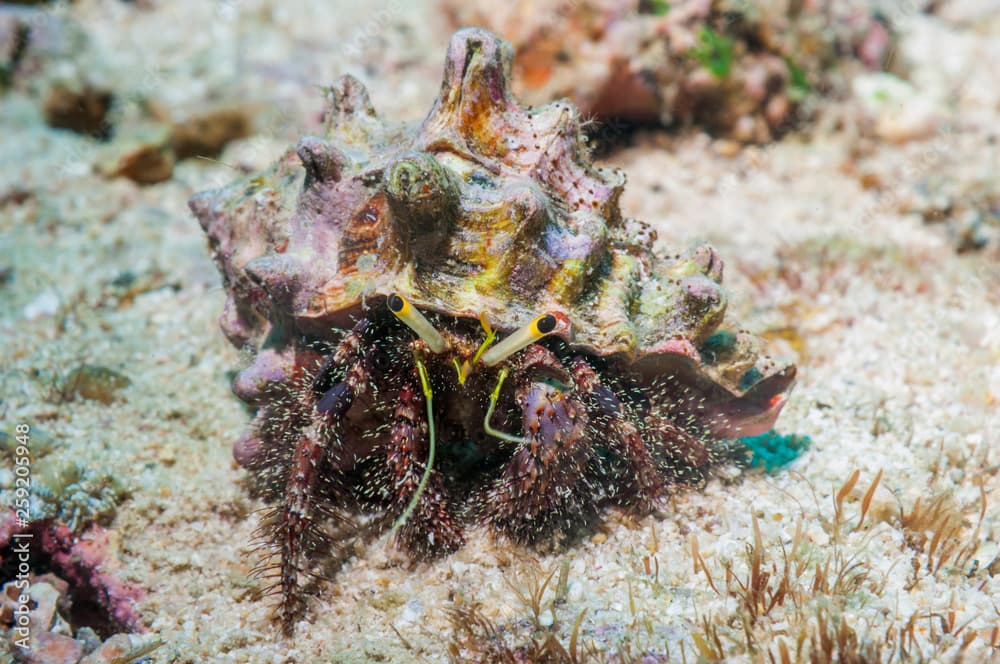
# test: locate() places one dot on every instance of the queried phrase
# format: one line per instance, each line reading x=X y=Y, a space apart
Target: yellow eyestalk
x=415 y=320
x=543 y=325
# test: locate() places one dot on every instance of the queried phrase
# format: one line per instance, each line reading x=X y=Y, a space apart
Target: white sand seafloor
x=895 y=333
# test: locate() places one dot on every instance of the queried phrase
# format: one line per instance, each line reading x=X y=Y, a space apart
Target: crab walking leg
x=425 y=383
x=425 y=525
x=348 y=349
x=633 y=478
x=296 y=530
x=682 y=457
x=542 y=489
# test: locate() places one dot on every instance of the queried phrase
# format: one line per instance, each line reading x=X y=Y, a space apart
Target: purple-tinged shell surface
x=486 y=207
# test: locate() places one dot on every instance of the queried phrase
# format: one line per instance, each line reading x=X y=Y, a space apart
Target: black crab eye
x=545 y=324
x=397 y=304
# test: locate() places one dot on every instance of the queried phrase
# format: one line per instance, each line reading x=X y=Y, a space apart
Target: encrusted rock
x=739 y=69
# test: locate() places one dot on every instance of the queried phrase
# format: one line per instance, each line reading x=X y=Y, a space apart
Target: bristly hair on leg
x=676 y=433
x=545 y=488
x=296 y=469
x=424 y=525
x=628 y=469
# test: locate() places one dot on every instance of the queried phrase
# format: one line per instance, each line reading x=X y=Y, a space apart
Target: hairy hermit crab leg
x=425 y=384
x=533 y=331
x=543 y=485
x=415 y=320
x=489 y=413
x=293 y=530
x=431 y=528
x=638 y=483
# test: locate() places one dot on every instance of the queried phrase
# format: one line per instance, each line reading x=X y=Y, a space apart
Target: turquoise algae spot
x=773 y=450
x=718 y=345
x=751 y=377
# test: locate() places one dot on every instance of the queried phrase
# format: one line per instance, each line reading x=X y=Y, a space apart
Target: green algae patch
x=772 y=450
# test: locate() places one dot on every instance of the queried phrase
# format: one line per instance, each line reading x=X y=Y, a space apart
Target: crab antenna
x=533 y=331
x=425 y=384
x=465 y=368
x=487 y=427
x=415 y=320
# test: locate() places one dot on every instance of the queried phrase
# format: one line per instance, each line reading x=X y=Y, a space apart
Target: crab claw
x=542 y=483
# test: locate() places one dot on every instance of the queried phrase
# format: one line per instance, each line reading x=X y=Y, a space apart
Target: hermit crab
x=453 y=325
